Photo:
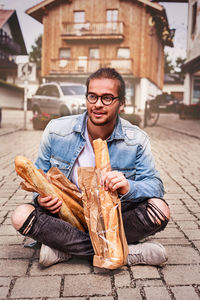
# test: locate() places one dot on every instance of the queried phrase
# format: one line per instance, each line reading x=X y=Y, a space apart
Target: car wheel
x=64 y=111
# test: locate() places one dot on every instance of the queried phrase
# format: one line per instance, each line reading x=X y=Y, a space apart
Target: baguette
x=108 y=205
x=40 y=184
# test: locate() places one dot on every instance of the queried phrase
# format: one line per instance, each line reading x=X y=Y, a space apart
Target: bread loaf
x=40 y=184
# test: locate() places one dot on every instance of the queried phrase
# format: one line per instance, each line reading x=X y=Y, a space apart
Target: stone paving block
x=192 y=234
x=43 y=286
x=145 y=272
x=15 y=251
x=158 y=293
x=74 y=298
x=4 y=286
x=92 y=284
x=11 y=239
x=148 y=282
x=182 y=255
x=187 y=292
x=7 y=230
x=182 y=274
x=96 y=298
x=74 y=266
x=129 y=294
x=184 y=217
x=175 y=241
x=187 y=225
x=13 y=267
x=169 y=233
x=197 y=244
x=122 y=279
x=179 y=209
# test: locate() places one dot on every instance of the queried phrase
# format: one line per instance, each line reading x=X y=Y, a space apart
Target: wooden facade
x=81 y=36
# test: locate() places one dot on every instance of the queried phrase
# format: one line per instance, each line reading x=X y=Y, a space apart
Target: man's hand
x=53 y=205
x=115 y=180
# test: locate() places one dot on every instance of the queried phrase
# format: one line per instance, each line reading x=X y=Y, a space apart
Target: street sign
x=26 y=71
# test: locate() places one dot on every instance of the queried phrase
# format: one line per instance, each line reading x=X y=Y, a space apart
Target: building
x=11 y=45
x=174 y=85
x=192 y=64
x=129 y=35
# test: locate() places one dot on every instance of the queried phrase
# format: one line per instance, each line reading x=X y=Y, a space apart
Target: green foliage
x=168 y=67
x=174 y=68
x=36 y=52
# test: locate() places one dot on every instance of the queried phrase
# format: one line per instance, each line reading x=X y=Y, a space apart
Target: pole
x=25 y=96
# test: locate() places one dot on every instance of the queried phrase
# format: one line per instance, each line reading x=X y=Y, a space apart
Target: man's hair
x=109 y=73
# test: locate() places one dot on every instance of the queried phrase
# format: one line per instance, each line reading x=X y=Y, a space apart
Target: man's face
x=100 y=114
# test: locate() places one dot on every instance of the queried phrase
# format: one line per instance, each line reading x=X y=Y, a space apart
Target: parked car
x=59 y=99
x=167 y=103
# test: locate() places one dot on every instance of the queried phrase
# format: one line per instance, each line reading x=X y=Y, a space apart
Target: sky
x=176 y=13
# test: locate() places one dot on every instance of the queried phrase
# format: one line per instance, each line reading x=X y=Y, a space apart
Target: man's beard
x=107 y=121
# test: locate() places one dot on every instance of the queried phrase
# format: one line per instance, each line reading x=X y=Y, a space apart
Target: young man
x=67 y=144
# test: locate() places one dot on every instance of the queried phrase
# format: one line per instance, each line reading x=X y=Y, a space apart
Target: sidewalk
x=187 y=127
x=21 y=277
x=13 y=120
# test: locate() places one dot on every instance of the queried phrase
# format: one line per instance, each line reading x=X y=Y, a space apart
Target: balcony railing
x=85 y=65
x=7 y=43
x=107 y=30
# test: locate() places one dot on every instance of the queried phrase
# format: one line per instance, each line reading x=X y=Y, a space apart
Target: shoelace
x=135 y=258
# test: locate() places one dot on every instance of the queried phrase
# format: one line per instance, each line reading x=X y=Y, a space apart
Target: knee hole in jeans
x=155 y=214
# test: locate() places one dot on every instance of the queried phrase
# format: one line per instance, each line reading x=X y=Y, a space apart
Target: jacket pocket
x=62 y=165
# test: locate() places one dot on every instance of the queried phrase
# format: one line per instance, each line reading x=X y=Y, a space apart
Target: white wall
x=193 y=41
x=145 y=90
x=169 y=88
x=11 y=98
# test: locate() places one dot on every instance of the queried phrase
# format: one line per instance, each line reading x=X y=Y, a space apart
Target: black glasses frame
x=101 y=97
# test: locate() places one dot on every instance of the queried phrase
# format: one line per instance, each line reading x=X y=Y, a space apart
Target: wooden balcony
x=93 y=31
x=85 y=65
x=8 y=44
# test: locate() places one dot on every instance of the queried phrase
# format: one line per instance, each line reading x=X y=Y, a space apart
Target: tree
x=35 y=53
x=178 y=68
x=168 y=67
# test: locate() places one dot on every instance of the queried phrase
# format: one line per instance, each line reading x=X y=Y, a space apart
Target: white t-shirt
x=85 y=159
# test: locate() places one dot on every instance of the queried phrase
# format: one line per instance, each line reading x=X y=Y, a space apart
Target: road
x=177 y=159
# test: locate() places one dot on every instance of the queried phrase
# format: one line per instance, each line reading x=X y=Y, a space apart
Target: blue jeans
x=48 y=229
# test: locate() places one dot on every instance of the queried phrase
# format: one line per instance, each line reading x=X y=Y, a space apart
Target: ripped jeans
x=47 y=229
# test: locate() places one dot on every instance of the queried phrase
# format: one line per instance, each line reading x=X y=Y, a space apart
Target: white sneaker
x=147 y=253
x=50 y=256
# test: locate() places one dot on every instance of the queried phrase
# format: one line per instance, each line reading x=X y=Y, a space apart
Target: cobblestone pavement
x=177 y=159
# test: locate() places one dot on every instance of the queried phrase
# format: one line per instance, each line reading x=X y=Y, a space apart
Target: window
x=94 y=53
x=194 y=18
x=112 y=15
x=53 y=91
x=65 y=53
x=123 y=53
x=196 y=90
x=79 y=16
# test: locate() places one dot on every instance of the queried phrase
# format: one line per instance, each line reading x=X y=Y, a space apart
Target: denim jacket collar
x=117 y=133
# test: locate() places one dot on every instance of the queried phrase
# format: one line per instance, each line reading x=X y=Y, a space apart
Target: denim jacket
x=129 y=150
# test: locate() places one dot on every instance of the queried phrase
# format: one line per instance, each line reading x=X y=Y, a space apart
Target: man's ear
x=121 y=107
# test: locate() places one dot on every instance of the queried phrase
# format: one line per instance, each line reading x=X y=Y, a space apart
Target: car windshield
x=73 y=90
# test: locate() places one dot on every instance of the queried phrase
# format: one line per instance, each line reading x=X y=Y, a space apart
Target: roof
x=157 y=10
x=38 y=10
x=10 y=17
x=5 y=14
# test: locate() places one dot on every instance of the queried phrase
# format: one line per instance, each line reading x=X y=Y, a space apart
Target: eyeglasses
x=105 y=99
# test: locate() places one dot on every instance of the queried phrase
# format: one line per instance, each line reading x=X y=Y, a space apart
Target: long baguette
x=108 y=209
x=33 y=176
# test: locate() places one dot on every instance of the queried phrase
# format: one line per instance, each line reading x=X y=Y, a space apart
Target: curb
x=179 y=131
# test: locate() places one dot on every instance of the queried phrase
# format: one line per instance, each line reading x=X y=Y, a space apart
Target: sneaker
x=147 y=253
x=50 y=256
